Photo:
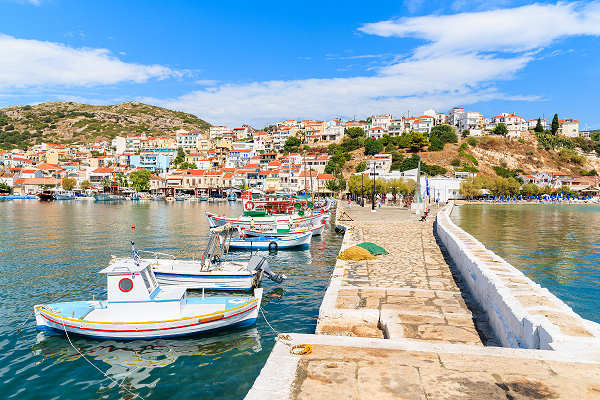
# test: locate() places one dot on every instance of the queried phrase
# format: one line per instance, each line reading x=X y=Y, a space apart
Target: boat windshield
x=149 y=280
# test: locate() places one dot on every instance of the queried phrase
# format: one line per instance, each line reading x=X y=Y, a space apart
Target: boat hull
x=270 y=234
x=271 y=243
x=239 y=316
x=251 y=222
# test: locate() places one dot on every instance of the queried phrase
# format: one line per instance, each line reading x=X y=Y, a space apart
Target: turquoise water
x=555 y=245
x=55 y=249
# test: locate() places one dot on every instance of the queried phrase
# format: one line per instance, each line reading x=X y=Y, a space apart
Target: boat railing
x=157 y=253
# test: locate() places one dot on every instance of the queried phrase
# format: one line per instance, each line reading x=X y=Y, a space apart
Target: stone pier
x=401 y=327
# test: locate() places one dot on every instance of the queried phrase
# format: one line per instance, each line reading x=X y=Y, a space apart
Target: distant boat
x=108 y=197
x=64 y=195
x=202 y=198
x=46 y=195
x=232 y=197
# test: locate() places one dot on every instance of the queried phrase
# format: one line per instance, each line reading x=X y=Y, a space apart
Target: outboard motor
x=260 y=263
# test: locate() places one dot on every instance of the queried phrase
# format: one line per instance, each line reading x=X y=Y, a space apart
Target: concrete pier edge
x=522 y=313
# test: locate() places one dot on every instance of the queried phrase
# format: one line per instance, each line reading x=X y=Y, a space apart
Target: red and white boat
x=283 y=230
x=306 y=221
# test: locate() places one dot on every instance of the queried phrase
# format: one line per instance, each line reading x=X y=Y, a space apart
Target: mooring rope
x=297 y=349
x=98 y=369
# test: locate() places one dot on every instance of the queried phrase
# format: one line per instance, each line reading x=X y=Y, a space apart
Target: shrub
x=446 y=133
x=472 y=141
x=570 y=156
x=436 y=144
x=455 y=162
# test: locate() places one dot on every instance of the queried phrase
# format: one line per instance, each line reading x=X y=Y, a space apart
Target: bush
x=472 y=141
x=446 y=133
x=455 y=162
x=570 y=156
x=362 y=166
x=373 y=146
x=351 y=144
x=436 y=144
x=355 y=132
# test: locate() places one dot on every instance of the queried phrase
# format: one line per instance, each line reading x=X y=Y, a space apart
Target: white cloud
x=30 y=63
x=510 y=30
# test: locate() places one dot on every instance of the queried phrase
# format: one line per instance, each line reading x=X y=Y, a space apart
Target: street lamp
x=373 y=188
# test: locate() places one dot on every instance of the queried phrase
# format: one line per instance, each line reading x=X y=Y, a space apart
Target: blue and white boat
x=270 y=242
x=138 y=308
x=64 y=195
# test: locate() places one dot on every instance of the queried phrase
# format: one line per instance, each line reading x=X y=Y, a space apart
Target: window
x=125 y=285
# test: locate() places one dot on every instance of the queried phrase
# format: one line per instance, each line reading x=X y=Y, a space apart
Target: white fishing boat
x=213 y=270
x=138 y=308
x=284 y=230
x=64 y=195
x=271 y=243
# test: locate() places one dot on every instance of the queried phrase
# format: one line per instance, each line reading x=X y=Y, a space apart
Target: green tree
x=187 y=165
x=179 y=158
x=373 y=146
x=531 y=189
x=500 y=129
x=68 y=183
x=446 y=133
x=469 y=188
x=355 y=132
x=362 y=166
x=292 y=145
x=554 y=127
x=140 y=180
x=85 y=185
x=4 y=188
x=538 y=127
x=415 y=141
x=436 y=144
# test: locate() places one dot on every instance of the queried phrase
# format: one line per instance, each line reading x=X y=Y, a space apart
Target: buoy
x=132 y=227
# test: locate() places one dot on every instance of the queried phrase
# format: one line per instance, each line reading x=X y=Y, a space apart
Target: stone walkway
x=411 y=289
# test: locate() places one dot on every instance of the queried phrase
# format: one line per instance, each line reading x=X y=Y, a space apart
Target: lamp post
x=373 y=188
x=362 y=190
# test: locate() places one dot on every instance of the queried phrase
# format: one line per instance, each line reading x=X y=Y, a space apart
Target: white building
x=188 y=141
x=514 y=123
x=382 y=121
x=532 y=123
x=218 y=131
x=123 y=145
x=470 y=121
x=568 y=127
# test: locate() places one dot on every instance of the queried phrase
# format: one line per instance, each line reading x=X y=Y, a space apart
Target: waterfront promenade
x=399 y=328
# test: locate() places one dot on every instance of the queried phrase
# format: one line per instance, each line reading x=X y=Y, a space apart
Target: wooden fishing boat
x=138 y=308
x=47 y=195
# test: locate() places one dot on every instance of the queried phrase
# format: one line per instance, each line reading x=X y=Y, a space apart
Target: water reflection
x=133 y=361
x=555 y=245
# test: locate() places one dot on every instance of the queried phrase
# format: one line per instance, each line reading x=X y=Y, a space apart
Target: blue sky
x=257 y=62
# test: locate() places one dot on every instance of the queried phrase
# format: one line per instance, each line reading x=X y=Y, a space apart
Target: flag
x=427 y=185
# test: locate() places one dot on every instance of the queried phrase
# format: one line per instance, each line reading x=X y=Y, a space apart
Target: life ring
x=273 y=246
x=249 y=205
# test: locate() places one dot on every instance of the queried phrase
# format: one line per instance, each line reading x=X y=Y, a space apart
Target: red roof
x=325 y=176
x=103 y=170
x=37 y=181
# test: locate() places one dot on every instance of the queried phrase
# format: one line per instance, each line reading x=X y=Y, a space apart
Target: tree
x=180 y=157
x=538 y=127
x=531 y=189
x=4 y=188
x=355 y=132
x=469 y=188
x=373 y=146
x=85 y=185
x=362 y=166
x=446 y=133
x=436 y=144
x=292 y=145
x=187 y=165
x=68 y=183
x=140 y=179
x=332 y=185
x=500 y=129
x=554 y=127
x=416 y=140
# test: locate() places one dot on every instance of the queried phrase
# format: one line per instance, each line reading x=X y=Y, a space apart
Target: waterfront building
x=568 y=127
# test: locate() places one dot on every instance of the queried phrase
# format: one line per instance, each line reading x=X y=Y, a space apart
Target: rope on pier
x=297 y=349
x=102 y=372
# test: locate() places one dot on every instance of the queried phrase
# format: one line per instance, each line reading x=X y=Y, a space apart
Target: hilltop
x=69 y=122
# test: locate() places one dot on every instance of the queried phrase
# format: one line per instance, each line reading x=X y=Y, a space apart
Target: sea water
x=54 y=250
x=557 y=246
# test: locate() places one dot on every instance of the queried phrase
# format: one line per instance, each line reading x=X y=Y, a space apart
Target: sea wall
x=522 y=313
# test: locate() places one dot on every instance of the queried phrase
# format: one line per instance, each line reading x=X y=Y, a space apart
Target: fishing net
x=373 y=248
x=356 y=253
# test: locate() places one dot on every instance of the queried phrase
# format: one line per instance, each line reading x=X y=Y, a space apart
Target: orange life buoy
x=249 y=205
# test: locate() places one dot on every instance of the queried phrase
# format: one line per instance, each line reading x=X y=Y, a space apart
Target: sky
x=234 y=62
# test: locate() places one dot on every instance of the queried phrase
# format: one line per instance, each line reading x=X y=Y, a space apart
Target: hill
x=69 y=122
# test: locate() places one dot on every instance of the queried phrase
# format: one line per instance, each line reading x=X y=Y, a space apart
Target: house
x=151 y=161
x=29 y=186
x=215 y=132
x=515 y=124
x=381 y=121
x=470 y=121
x=532 y=123
x=568 y=127
x=100 y=175
x=188 y=141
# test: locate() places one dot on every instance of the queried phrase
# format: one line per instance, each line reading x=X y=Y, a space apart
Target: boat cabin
x=132 y=283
